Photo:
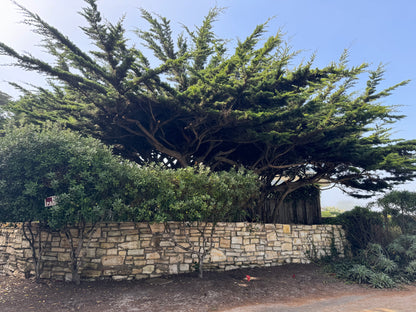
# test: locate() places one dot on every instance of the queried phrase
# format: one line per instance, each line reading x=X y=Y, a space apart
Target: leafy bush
x=340 y=267
x=81 y=172
x=362 y=226
x=158 y=194
x=91 y=185
x=360 y=273
x=381 y=280
x=379 y=267
x=190 y=194
x=36 y=163
x=386 y=265
x=400 y=206
x=411 y=269
x=403 y=249
x=377 y=259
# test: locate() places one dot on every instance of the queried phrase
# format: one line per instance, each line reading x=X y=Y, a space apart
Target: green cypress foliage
x=203 y=101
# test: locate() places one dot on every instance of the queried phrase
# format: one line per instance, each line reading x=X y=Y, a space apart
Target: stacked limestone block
x=126 y=251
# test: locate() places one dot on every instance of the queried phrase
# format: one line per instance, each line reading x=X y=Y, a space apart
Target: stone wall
x=129 y=250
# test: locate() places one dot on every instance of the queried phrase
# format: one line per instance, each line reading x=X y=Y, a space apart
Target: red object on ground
x=293 y=276
x=248 y=278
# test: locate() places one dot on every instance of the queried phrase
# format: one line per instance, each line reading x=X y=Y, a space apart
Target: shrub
x=362 y=226
x=158 y=194
x=193 y=194
x=360 y=274
x=403 y=249
x=379 y=267
x=386 y=265
x=376 y=259
x=400 y=206
x=81 y=172
x=36 y=163
x=411 y=269
x=381 y=280
x=91 y=185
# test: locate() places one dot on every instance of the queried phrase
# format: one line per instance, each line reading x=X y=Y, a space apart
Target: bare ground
x=218 y=291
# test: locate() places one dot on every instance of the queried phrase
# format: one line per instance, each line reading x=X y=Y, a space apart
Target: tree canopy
x=401 y=206
x=4 y=100
x=203 y=101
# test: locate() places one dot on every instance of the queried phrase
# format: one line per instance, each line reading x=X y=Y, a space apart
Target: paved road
x=380 y=301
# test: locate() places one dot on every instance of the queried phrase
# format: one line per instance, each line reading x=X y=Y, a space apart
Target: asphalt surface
x=385 y=301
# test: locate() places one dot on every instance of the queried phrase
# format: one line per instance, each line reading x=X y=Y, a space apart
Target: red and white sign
x=50 y=201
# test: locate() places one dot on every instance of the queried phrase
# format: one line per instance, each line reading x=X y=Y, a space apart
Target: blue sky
x=374 y=31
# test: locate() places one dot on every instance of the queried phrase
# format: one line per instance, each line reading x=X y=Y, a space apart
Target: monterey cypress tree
x=204 y=102
x=4 y=100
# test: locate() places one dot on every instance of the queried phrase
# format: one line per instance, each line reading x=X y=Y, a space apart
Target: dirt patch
x=293 y=283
